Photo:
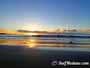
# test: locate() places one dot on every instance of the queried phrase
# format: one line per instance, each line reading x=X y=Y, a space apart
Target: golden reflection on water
x=31 y=43
x=13 y=42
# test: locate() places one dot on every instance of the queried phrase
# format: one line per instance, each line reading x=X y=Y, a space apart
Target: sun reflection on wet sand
x=31 y=43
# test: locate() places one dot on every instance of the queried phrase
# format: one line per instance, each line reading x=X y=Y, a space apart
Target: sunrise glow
x=34 y=27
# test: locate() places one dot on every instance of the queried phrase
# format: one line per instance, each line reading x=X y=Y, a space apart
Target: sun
x=33 y=27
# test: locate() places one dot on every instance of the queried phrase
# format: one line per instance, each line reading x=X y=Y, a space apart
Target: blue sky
x=16 y=14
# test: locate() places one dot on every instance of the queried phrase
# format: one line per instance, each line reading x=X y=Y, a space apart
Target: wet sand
x=20 y=56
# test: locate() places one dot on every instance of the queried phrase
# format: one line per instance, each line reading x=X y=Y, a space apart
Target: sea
x=42 y=50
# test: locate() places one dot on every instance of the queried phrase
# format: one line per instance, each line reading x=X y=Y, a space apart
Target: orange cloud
x=5 y=31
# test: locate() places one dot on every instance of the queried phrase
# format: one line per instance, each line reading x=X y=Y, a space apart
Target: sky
x=42 y=14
